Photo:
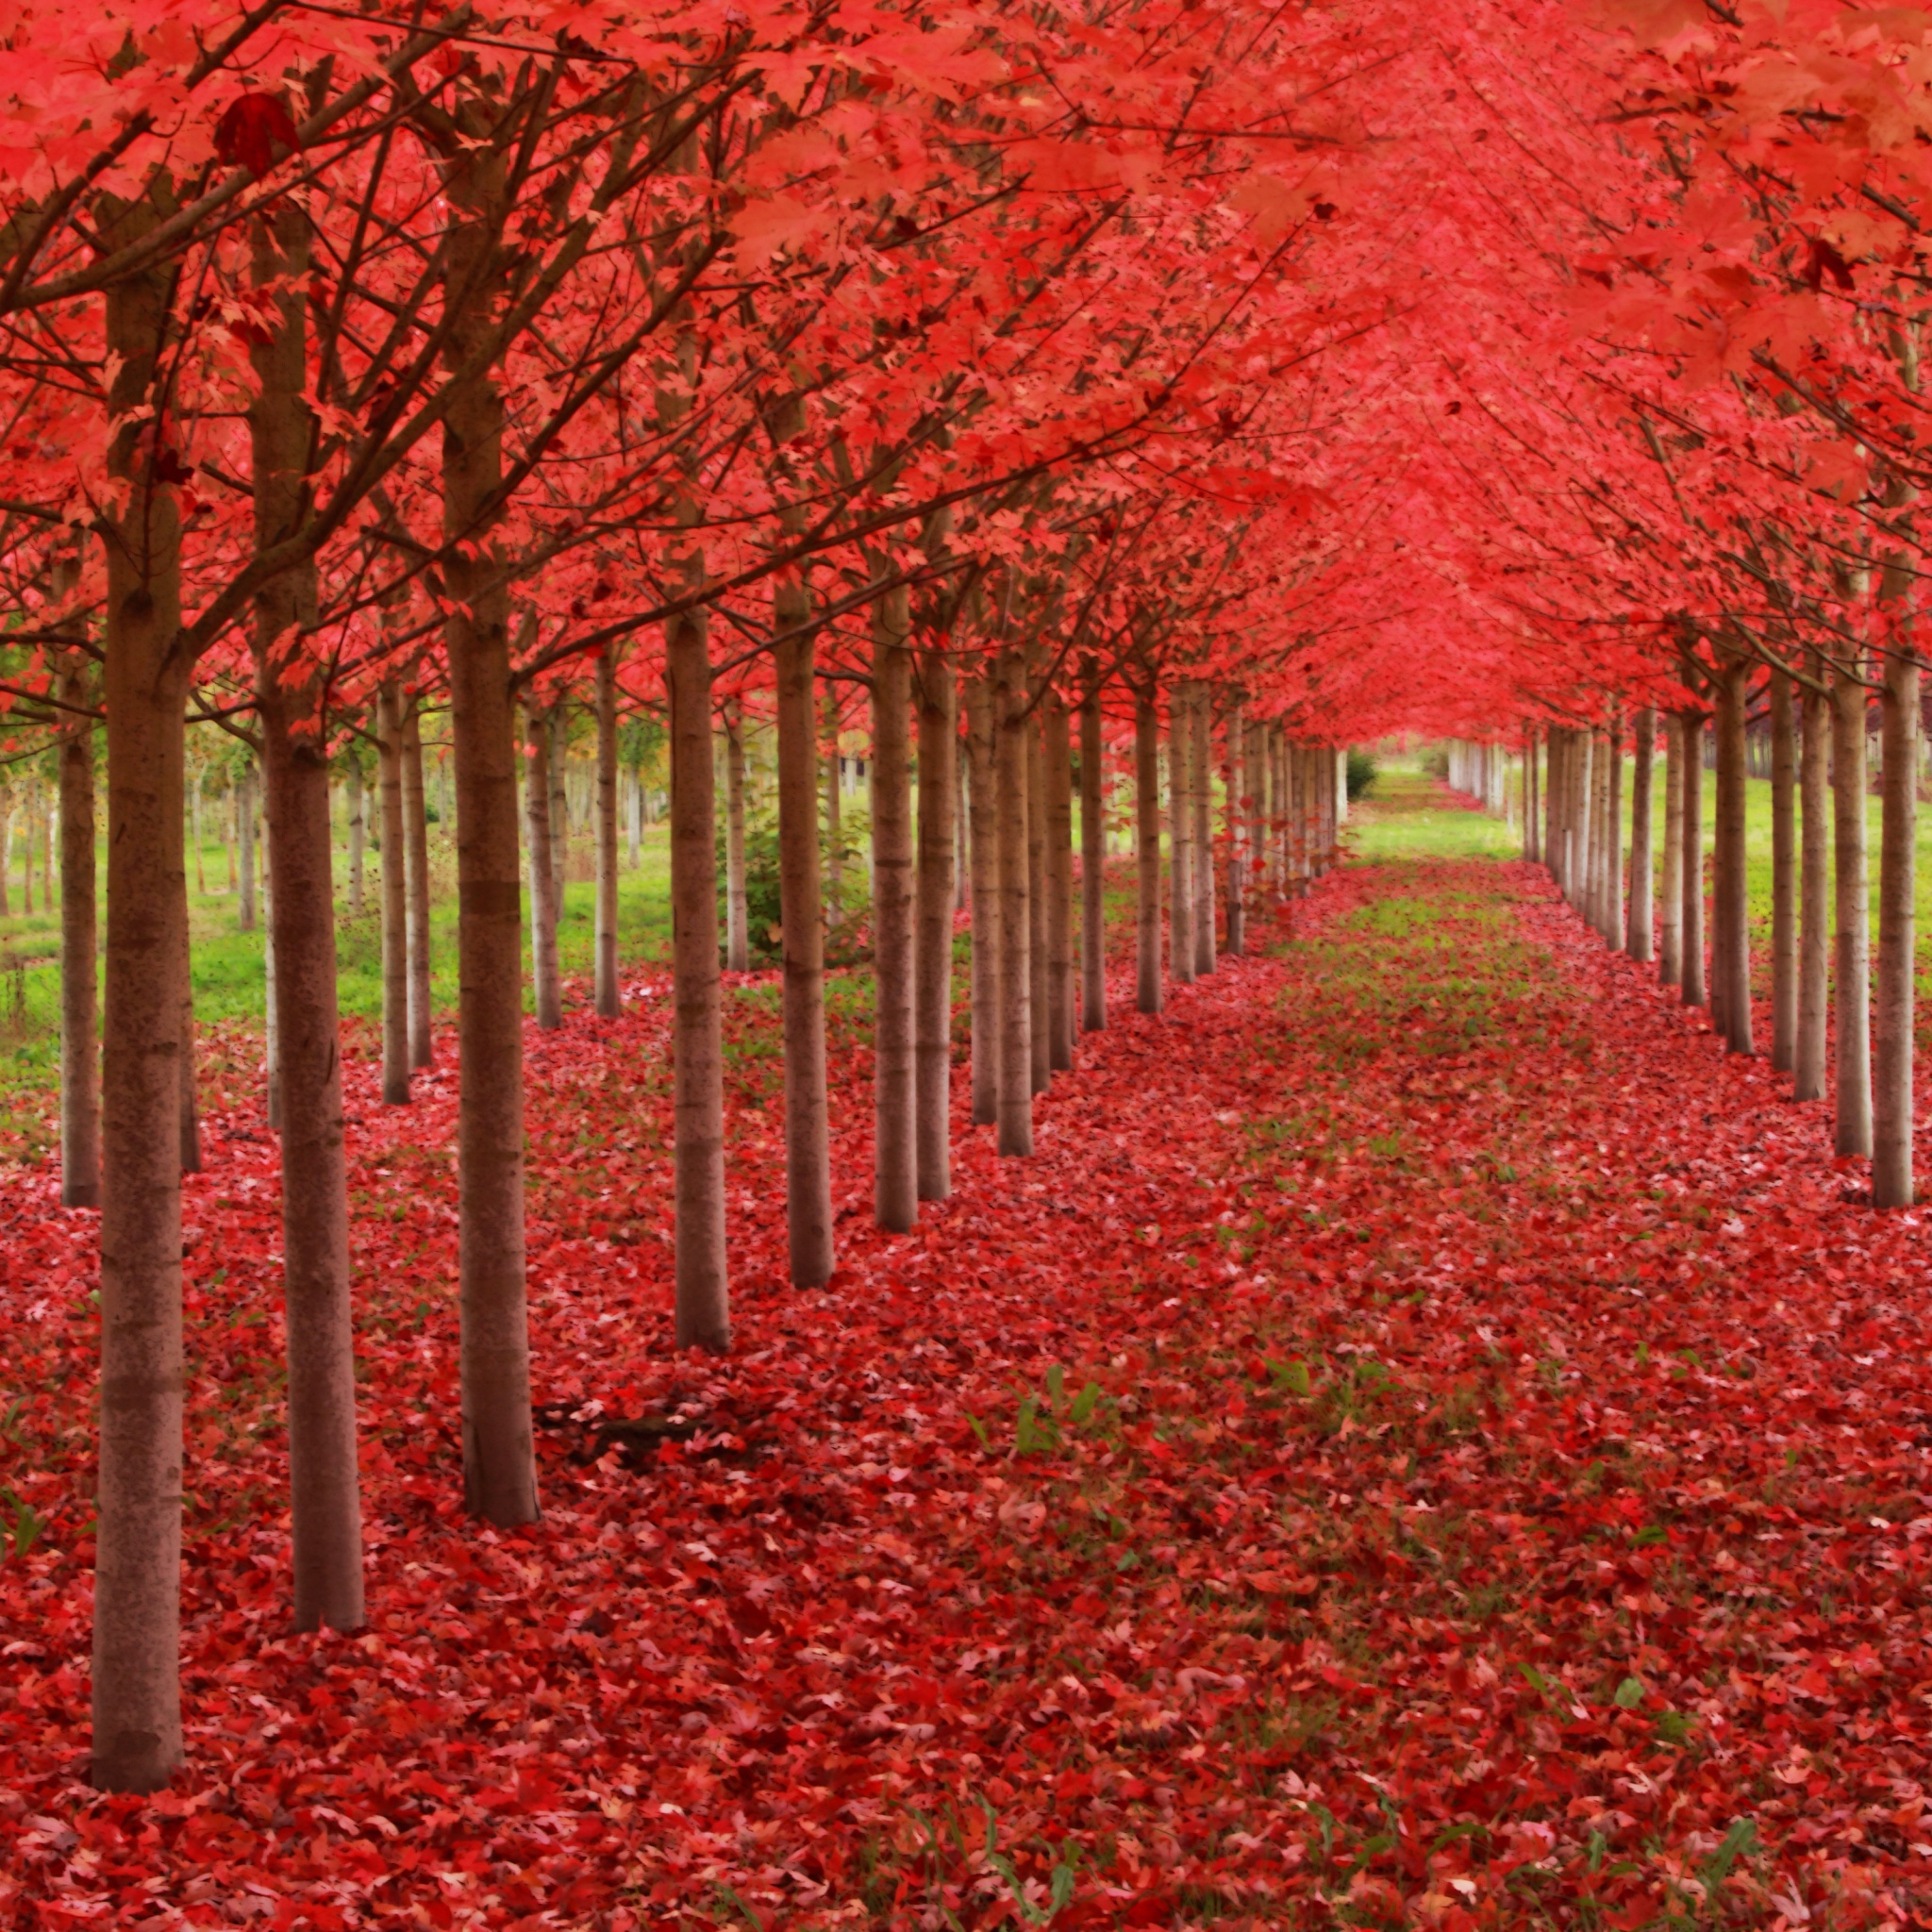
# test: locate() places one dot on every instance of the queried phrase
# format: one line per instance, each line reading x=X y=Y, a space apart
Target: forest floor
x=1426 y=1442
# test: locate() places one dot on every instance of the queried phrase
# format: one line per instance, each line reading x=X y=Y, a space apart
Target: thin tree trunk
x=982 y=699
x=557 y=740
x=540 y=800
x=395 y=901
x=1059 y=881
x=81 y=1086
x=1733 y=912
x=357 y=835
x=610 y=996
x=1639 y=934
x=1093 y=871
x=835 y=836
x=499 y=1466
x=737 y=921
x=703 y=1282
x=1691 y=926
x=1892 y=1111
x=1040 y=1013
x=937 y=893
x=246 y=841
x=1784 y=877
x=1814 y=940
x=1015 y=975
x=1614 y=835
x=1180 y=891
x=1202 y=772
x=136 y=1684
x=1236 y=749
x=416 y=876
x=1147 y=988
x=1670 y=953
x=1853 y=977
x=802 y=937
x=896 y=1140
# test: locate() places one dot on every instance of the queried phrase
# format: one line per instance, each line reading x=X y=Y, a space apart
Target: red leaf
x=250 y=131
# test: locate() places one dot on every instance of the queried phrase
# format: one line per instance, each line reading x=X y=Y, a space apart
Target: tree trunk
x=416 y=875
x=326 y=1509
x=499 y=1468
x=1784 y=877
x=937 y=893
x=737 y=923
x=610 y=996
x=1235 y=762
x=895 y=1142
x=81 y=1088
x=1180 y=817
x=1892 y=1111
x=1147 y=989
x=245 y=793
x=1691 y=924
x=1059 y=882
x=1040 y=1013
x=1639 y=934
x=1670 y=953
x=539 y=799
x=802 y=936
x=357 y=835
x=1202 y=772
x=1733 y=912
x=835 y=836
x=136 y=1677
x=1015 y=975
x=1814 y=941
x=703 y=1283
x=1093 y=871
x=556 y=739
x=395 y=901
x=982 y=698
x=1852 y=1013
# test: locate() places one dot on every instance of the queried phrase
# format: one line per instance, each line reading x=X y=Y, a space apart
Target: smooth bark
x=703 y=1290
x=1784 y=877
x=1201 y=764
x=608 y=994
x=395 y=901
x=895 y=1144
x=737 y=925
x=416 y=871
x=1011 y=731
x=1670 y=886
x=540 y=802
x=1093 y=871
x=1893 y=991
x=1732 y=909
x=1040 y=976
x=937 y=894
x=1692 y=863
x=81 y=1084
x=1852 y=978
x=1059 y=882
x=1180 y=885
x=984 y=862
x=1639 y=936
x=1814 y=915
x=1147 y=987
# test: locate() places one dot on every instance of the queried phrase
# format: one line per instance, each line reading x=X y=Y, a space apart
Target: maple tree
x=1131 y=406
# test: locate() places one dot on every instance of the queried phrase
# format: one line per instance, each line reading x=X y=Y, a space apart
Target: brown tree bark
x=737 y=923
x=540 y=798
x=557 y=737
x=135 y=1678
x=1059 y=882
x=1891 y=1068
x=1784 y=877
x=416 y=872
x=1147 y=987
x=358 y=832
x=395 y=901
x=802 y=935
x=1852 y=979
x=1670 y=886
x=244 y=841
x=835 y=832
x=81 y=1083
x=1012 y=731
x=896 y=1140
x=1201 y=719
x=1814 y=940
x=1640 y=937
x=703 y=1282
x=983 y=860
x=1180 y=866
x=326 y=1494
x=609 y=996
x=1237 y=809
x=1691 y=924
x=936 y=893
x=1733 y=909
x=1040 y=1011
x=499 y=1466
x=1093 y=869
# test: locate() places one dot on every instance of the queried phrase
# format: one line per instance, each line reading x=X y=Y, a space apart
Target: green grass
x=1400 y=817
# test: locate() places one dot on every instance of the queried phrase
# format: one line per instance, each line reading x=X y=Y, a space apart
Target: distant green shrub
x=1361 y=771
